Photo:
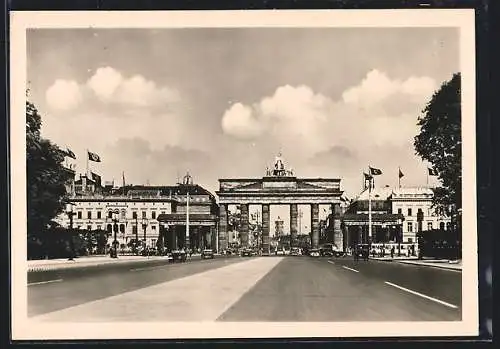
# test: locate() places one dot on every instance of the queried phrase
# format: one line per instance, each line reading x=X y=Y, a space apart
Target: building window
x=153 y=242
x=410 y=227
x=89 y=214
x=441 y=225
x=400 y=211
x=109 y=228
x=110 y=214
x=410 y=240
x=124 y=214
x=409 y=212
x=134 y=215
x=122 y=228
x=163 y=212
x=89 y=227
x=448 y=226
x=143 y=214
x=98 y=214
x=153 y=215
x=153 y=227
x=429 y=225
x=79 y=215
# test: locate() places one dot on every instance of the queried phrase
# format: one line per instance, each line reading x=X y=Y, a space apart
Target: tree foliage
x=440 y=142
x=45 y=175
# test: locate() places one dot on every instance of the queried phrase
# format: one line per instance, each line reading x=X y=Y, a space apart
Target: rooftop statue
x=279 y=168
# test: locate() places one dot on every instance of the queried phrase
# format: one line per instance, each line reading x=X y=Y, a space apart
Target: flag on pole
x=70 y=154
x=432 y=172
x=375 y=171
x=93 y=157
x=400 y=174
x=96 y=178
x=367 y=176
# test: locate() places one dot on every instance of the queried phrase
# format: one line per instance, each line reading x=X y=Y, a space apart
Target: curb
x=431 y=265
x=51 y=267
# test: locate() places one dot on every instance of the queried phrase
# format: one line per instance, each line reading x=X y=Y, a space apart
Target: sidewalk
x=64 y=263
x=436 y=263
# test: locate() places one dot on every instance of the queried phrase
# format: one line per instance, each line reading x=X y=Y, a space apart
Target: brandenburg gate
x=278 y=187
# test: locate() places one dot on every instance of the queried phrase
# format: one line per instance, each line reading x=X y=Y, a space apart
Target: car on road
x=314 y=252
x=362 y=251
x=207 y=254
x=246 y=252
x=295 y=251
x=179 y=256
x=280 y=251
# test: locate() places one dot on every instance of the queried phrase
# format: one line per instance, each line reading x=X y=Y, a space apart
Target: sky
x=223 y=102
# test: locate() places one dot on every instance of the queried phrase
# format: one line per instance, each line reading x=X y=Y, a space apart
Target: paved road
x=255 y=289
x=309 y=289
x=55 y=290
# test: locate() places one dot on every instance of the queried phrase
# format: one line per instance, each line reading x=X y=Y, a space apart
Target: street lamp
x=136 y=236
x=400 y=232
x=70 y=213
x=144 y=226
x=114 y=219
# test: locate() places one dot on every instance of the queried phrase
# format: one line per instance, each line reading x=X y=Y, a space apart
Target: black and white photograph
x=243 y=174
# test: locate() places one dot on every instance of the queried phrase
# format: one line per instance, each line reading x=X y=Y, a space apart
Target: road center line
x=44 y=282
x=422 y=295
x=331 y=262
x=151 y=268
x=354 y=270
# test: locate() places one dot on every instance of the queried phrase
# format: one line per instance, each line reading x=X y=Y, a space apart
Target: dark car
x=361 y=251
x=246 y=252
x=207 y=254
x=179 y=256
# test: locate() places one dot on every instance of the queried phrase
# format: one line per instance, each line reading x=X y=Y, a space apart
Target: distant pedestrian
x=392 y=252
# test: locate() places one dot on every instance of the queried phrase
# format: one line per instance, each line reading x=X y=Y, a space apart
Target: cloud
x=109 y=85
x=239 y=121
x=63 y=95
x=373 y=122
x=105 y=82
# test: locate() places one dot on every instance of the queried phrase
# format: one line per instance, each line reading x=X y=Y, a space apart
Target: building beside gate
x=397 y=215
x=145 y=213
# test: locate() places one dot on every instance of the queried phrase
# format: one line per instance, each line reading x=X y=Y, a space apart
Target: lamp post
x=400 y=231
x=136 y=236
x=144 y=226
x=70 y=213
x=114 y=220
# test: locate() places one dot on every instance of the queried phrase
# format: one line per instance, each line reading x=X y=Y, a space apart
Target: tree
x=439 y=143
x=45 y=175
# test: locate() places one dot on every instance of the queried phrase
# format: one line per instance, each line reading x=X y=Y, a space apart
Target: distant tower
x=278 y=227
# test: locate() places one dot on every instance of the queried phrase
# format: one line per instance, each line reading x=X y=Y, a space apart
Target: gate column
x=244 y=225
x=265 y=228
x=315 y=225
x=222 y=228
x=338 y=236
x=293 y=224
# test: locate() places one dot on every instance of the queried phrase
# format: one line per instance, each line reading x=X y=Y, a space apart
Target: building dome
x=187 y=179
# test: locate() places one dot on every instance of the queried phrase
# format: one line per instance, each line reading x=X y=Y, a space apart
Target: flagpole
x=399 y=177
x=187 y=221
x=87 y=170
x=370 y=207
